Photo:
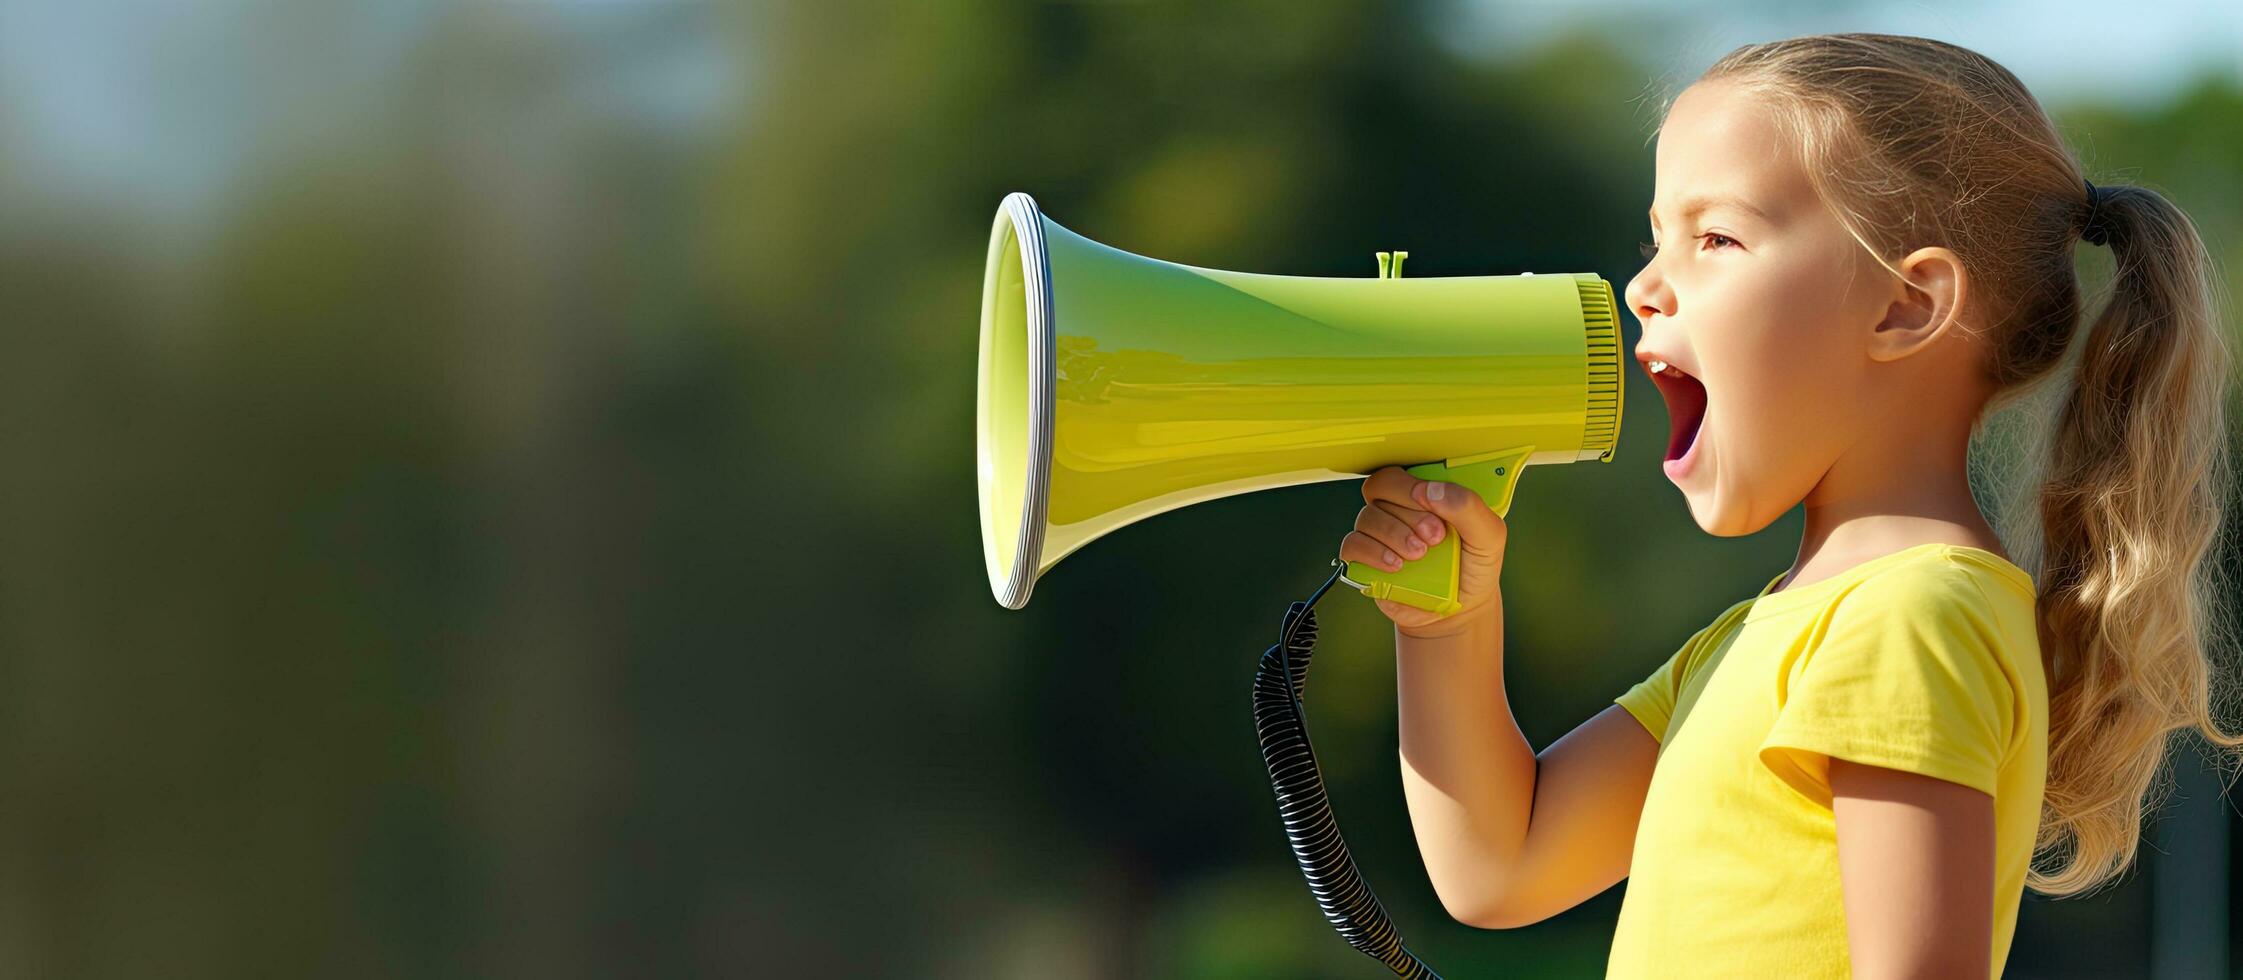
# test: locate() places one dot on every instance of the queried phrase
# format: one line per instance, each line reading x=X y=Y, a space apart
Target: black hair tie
x=2094 y=231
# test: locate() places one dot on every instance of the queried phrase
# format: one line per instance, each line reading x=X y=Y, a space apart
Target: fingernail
x=1430 y=531
x=1433 y=490
x=1392 y=558
x=1415 y=547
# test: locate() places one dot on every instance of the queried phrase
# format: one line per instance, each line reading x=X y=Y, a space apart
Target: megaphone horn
x=1112 y=387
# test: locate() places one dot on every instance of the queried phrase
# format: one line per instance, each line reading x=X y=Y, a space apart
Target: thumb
x=1478 y=529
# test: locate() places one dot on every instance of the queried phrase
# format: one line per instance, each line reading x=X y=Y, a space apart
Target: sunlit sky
x=158 y=103
x=2130 y=51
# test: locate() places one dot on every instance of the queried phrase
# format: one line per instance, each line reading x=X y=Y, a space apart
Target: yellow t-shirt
x=1925 y=660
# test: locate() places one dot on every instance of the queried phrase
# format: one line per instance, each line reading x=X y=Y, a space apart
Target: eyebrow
x=1694 y=205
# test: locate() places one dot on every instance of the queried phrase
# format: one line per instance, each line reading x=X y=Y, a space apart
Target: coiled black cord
x=1283 y=728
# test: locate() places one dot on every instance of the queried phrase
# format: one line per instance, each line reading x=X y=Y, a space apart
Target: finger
x=1478 y=528
x=1394 y=488
x=1427 y=526
x=1389 y=483
x=1390 y=531
x=1361 y=547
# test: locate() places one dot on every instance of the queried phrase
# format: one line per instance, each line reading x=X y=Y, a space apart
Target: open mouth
x=1686 y=408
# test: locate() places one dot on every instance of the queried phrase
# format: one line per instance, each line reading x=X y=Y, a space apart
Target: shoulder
x=1949 y=581
x=1954 y=608
x=1922 y=664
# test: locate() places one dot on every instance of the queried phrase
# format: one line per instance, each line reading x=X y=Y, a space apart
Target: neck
x=1880 y=497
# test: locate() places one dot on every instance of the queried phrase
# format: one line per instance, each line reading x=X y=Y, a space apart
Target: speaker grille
x=1598 y=318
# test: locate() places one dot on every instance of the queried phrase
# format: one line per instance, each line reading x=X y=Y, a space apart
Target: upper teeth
x=1658 y=366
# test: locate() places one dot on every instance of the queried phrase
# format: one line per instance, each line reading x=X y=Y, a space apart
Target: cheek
x=1779 y=402
x=1785 y=350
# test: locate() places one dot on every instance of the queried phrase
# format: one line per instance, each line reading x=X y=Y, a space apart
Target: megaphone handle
x=1430 y=582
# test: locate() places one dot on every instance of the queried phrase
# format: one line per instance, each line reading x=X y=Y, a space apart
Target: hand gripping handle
x=1430 y=582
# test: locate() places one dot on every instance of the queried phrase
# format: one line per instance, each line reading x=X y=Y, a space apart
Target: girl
x=1864 y=244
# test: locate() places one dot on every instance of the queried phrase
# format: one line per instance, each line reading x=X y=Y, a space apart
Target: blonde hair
x=1914 y=142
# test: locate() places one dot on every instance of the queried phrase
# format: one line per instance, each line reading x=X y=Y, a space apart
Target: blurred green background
x=487 y=486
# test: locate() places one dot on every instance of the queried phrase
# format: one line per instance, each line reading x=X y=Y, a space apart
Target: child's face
x=1767 y=311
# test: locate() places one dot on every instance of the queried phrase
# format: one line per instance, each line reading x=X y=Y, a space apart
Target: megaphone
x=1112 y=387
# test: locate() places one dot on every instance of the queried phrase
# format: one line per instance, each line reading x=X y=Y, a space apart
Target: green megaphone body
x=1112 y=387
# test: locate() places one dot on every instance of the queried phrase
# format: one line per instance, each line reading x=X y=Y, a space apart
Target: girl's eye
x=1650 y=251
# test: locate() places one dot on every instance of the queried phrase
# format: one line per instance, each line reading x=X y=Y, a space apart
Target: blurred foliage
x=524 y=527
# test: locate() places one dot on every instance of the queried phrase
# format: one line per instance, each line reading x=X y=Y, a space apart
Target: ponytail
x=2130 y=513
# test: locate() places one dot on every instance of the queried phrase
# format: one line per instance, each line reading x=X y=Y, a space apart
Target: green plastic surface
x=1155 y=385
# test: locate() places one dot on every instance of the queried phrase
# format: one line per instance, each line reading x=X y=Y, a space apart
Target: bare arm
x=1510 y=838
x=1916 y=864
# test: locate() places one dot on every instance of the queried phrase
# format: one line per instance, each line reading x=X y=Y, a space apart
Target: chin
x=1719 y=515
x=1713 y=520
x=1727 y=526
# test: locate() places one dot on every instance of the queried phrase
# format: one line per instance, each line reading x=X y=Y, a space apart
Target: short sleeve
x=1909 y=674
x=1652 y=699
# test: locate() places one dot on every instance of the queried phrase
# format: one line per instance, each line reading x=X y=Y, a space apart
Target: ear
x=1926 y=306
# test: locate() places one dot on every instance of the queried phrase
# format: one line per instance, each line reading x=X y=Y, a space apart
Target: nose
x=1648 y=294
